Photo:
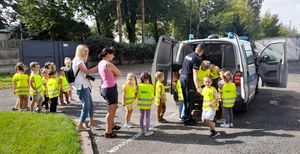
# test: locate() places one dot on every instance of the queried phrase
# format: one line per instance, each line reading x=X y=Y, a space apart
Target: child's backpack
x=70 y=75
x=174 y=92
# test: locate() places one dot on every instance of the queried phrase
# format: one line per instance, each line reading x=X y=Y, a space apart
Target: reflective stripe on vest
x=52 y=86
x=129 y=94
x=64 y=84
x=145 y=96
x=179 y=91
x=202 y=74
x=37 y=84
x=229 y=95
x=208 y=96
x=157 y=93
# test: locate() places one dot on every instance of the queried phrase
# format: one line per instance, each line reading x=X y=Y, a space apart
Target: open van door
x=163 y=57
x=272 y=65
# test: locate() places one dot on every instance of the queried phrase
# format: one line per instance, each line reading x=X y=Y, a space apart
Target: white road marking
x=119 y=146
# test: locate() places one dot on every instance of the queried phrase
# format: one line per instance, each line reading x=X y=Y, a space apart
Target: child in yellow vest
x=45 y=77
x=179 y=98
x=228 y=96
x=210 y=105
x=53 y=90
x=36 y=84
x=69 y=75
x=21 y=85
x=160 y=97
x=204 y=71
x=64 y=87
x=129 y=94
x=145 y=99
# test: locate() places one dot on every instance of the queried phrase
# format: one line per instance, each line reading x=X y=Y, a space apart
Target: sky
x=287 y=11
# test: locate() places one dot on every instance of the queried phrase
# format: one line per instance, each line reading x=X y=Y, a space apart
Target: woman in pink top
x=109 y=74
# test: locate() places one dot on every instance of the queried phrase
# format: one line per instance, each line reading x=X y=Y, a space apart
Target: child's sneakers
x=214 y=133
x=225 y=125
x=148 y=133
x=221 y=121
x=128 y=126
x=231 y=125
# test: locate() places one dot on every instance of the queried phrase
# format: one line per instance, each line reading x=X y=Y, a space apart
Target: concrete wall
x=9 y=55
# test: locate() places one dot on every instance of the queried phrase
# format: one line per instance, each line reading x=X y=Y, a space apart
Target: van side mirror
x=266 y=58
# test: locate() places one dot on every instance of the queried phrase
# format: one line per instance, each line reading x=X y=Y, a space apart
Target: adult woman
x=83 y=86
x=109 y=73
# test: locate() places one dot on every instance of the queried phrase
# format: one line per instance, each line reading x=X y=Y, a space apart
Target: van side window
x=249 y=53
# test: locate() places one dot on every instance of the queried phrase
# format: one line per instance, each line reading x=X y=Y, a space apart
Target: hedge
x=125 y=53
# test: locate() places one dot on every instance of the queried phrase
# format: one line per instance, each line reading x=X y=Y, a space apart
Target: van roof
x=225 y=39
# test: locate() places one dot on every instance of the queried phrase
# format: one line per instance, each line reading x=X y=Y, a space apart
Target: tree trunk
x=156 y=36
x=98 y=24
x=143 y=21
x=119 y=15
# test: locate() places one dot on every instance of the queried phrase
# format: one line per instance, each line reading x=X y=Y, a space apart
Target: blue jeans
x=87 y=103
x=181 y=109
x=228 y=113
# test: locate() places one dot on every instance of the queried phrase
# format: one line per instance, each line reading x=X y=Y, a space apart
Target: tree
x=103 y=12
x=130 y=12
x=269 y=25
x=52 y=19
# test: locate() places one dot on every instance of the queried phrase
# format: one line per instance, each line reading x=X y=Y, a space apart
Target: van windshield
x=218 y=53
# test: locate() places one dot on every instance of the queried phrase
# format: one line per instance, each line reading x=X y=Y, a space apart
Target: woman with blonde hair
x=83 y=86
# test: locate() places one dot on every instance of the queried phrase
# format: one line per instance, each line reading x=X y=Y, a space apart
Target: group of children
x=44 y=85
x=144 y=93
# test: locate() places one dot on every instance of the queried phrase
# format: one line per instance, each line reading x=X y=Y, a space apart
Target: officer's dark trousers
x=188 y=88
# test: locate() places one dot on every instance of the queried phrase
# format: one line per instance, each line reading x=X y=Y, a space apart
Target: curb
x=86 y=143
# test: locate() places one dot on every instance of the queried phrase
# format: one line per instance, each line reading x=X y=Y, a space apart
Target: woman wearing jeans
x=109 y=73
x=83 y=86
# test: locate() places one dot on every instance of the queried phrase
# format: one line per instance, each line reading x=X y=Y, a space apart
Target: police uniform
x=190 y=62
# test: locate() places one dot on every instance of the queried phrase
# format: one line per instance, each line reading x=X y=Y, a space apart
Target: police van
x=268 y=66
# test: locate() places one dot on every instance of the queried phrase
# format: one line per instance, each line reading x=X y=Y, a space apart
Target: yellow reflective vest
x=179 y=91
x=214 y=73
x=145 y=96
x=160 y=95
x=202 y=74
x=44 y=87
x=229 y=95
x=22 y=85
x=64 y=84
x=130 y=94
x=38 y=83
x=53 y=88
x=208 y=96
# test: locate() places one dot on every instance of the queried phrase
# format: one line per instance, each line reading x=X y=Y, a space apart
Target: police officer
x=189 y=80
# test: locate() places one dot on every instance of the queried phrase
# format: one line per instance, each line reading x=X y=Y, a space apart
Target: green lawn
x=22 y=132
x=5 y=80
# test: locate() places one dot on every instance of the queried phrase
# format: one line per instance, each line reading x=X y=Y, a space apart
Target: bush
x=129 y=53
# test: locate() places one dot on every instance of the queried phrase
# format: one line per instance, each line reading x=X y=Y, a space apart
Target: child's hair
x=176 y=75
x=20 y=67
x=159 y=74
x=205 y=64
x=144 y=76
x=134 y=76
x=33 y=65
x=62 y=71
x=44 y=70
x=52 y=73
x=67 y=61
x=207 y=77
x=48 y=65
x=227 y=76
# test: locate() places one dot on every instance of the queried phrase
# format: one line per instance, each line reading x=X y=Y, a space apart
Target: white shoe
x=148 y=133
x=129 y=125
x=126 y=126
x=141 y=132
x=225 y=125
x=221 y=121
x=231 y=125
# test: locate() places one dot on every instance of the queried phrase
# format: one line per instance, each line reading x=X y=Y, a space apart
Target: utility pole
x=119 y=15
x=143 y=21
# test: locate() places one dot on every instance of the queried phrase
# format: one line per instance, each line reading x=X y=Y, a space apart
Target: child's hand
x=14 y=91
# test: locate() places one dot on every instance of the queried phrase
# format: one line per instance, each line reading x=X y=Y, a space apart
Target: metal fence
x=8 y=44
x=44 y=51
